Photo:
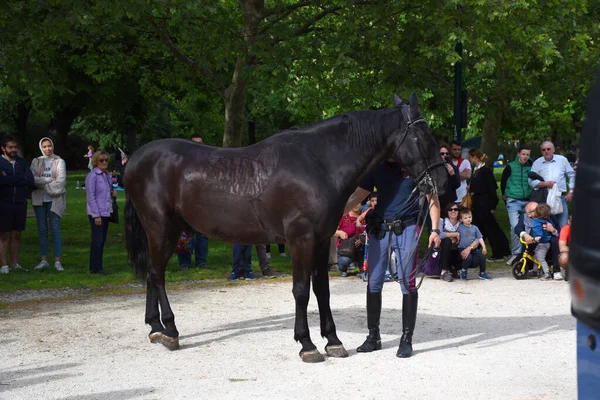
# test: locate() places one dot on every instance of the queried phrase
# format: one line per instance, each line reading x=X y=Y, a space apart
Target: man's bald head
x=530 y=207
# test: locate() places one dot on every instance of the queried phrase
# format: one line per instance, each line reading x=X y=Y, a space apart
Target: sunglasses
x=548 y=149
x=444 y=154
x=103 y=160
x=453 y=209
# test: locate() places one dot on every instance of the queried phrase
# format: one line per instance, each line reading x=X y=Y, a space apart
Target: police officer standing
x=393 y=225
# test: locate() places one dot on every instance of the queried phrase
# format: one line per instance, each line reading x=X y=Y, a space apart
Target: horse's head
x=417 y=151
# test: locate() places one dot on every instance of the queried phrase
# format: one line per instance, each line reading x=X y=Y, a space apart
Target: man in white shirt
x=555 y=168
x=464 y=169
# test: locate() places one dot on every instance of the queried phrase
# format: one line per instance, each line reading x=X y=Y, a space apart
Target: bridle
x=424 y=178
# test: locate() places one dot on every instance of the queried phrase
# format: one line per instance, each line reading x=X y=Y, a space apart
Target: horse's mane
x=360 y=129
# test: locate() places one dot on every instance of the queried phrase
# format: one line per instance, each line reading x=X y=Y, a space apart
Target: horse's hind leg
x=334 y=347
x=160 y=246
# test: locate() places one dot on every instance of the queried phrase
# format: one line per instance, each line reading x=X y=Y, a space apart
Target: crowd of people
x=465 y=225
x=389 y=222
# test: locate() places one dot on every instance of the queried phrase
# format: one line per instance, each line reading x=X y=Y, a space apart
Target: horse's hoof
x=155 y=337
x=171 y=343
x=337 y=351
x=312 y=356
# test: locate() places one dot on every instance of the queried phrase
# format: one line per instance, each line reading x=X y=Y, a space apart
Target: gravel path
x=504 y=339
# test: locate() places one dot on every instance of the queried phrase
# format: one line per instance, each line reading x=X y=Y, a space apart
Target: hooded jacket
x=14 y=179
x=54 y=186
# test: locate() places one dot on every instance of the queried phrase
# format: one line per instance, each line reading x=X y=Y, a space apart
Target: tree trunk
x=491 y=132
x=21 y=119
x=236 y=94
x=235 y=107
x=60 y=126
x=131 y=137
x=251 y=132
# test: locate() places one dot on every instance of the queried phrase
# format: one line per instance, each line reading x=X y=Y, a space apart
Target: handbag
x=467 y=201
x=347 y=247
x=114 y=215
x=433 y=266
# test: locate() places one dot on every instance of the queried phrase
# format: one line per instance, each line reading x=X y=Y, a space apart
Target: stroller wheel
x=519 y=268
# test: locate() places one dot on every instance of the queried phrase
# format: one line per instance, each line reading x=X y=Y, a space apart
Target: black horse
x=290 y=188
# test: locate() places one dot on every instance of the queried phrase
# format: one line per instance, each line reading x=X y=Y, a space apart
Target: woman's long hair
x=479 y=154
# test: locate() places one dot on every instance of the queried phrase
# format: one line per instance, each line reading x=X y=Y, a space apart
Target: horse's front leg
x=152 y=313
x=302 y=251
x=334 y=347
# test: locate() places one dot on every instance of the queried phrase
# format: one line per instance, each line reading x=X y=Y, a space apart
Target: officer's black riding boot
x=409 y=318
x=373 y=341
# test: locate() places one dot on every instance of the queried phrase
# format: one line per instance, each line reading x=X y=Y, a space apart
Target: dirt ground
x=503 y=339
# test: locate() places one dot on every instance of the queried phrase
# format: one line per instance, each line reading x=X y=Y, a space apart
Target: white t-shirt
x=47 y=174
x=462 y=190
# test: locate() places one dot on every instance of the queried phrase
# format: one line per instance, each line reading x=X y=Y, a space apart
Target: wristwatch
x=436 y=231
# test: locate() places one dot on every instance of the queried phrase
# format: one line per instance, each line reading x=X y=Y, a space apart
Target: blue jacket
x=14 y=179
x=537 y=230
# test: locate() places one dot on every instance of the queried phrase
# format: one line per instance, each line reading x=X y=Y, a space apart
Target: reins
x=424 y=178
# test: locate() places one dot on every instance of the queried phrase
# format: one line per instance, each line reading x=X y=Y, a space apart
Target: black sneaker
x=268 y=273
x=447 y=276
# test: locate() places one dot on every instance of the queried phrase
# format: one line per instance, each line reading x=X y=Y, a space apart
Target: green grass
x=76 y=243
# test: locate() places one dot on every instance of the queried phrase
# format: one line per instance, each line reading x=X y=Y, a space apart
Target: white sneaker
x=58 y=266
x=41 y=265
x=511 y=259
x=18 y=266
x=4 y=270
x=558 y=276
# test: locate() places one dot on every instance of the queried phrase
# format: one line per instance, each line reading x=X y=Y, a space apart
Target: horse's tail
x=136 y=240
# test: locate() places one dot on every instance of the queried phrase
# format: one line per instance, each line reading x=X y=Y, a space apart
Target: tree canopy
x=146 y=69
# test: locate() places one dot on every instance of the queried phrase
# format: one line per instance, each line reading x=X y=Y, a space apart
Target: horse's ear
x=414 y=102
x=397 y=100
x=414 y=106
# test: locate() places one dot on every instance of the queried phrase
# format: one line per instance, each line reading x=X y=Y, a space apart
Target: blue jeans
x=562 y=219
x=200 y=248
x=515 y=208
x=43 y=216
x=403 y=246
x=474 y=259
x=242 y=254
x=97 y=245
x=344 y=262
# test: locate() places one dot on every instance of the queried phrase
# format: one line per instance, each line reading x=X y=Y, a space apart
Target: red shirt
x=348 y=225
x=565 y=234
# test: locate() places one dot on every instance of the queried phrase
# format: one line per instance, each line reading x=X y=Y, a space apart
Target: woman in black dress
x=483 y=189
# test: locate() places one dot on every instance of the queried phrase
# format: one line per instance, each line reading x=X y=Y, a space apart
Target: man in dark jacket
x=15 y=177
x=515 y=192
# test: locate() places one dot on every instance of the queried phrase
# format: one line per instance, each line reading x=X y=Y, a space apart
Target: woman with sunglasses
x=99 y=207
x=449 y=254
x=453 y=181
